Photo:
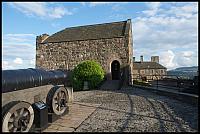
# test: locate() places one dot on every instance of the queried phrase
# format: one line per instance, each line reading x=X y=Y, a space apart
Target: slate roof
x=97 y=31
x=147 y=65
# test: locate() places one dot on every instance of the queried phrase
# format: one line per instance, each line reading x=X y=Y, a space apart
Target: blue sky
x=166 y=29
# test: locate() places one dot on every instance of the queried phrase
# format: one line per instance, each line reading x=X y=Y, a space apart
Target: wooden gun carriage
x=23 y=87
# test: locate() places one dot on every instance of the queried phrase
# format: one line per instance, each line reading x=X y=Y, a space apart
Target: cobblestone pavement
x=136 y=110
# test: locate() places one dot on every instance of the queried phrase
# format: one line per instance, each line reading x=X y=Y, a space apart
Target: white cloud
x=30 y=8
x=18 y=38
x=83 y=3
x=187 y=54
x=41 y=9
x=168 y=33
x=153 y=5
x=6 y=65
x=32 y=62
x=18 y=61
x=118 y=6
x=153 y=8
x=59 y=12
x=94 y=4
x=186 y=58
x=150 y=12
x=167 y=59
x=18 y=51
x=19 y=35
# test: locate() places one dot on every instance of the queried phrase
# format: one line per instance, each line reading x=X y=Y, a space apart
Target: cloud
x=18 y=38
x=41 y=9
x=30 y=8
x=19 y=35
x=118 y=6
x=169 y=31
x=18 y=61
x=83 y=3
x=153 y=5
x=32 y=62
x=187 y=54
x=186 y=10
x=6 y=65
x=59 y=12
x=18 y=51
x=153 y=8
x=94 y=4
x=187 y=58
x=167 y=59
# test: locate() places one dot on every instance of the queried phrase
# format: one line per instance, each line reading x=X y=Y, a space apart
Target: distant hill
x=186 y=69
x=185 y=72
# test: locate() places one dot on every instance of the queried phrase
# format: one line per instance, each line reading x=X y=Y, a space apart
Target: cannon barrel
x=13 y=80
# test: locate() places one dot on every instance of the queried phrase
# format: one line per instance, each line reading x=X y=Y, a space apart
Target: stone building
x=110 y=44
x=148 y=70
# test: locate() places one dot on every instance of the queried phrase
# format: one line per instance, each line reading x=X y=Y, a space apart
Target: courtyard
x=126 y=110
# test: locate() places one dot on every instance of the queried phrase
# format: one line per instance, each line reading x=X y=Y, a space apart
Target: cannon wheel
x=17 y=116
x=57 y=100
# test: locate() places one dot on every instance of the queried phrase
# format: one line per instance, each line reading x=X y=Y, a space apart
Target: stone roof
x=96 y=31
x=147 y=65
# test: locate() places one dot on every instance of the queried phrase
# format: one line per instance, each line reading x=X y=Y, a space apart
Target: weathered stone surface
x=78 y=112
x=136 y=110
x=127 y=110
x=66 y=55
x=69 y=54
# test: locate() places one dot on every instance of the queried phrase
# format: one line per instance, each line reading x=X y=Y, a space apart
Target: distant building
x=148 y=69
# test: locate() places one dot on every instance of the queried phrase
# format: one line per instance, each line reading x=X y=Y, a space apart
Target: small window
x=161 y=71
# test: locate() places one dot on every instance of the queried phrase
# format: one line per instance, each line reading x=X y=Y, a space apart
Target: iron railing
x=165 y=81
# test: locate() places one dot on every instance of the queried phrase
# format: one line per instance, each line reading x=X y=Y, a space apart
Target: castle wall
x=66 y=55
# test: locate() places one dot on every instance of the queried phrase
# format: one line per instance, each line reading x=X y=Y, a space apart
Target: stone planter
x=85 y=85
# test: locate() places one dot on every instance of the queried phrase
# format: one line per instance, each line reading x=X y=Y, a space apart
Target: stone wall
x=66 y=55
x=130 y=51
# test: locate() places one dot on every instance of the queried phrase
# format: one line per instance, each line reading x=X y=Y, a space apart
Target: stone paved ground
x=135 y=110
x=78 y=112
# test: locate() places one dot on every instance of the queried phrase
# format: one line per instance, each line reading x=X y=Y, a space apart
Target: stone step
x=111 y=84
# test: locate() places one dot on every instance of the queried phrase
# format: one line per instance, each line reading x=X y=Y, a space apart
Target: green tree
x=90 y=71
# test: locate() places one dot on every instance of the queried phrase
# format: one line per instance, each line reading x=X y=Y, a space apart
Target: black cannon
x=23 y=88
x=13 y=80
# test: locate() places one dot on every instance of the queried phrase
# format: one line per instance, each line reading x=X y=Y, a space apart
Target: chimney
x=128 y=20
x=133 y=59
x=141 y=58
x=41 y=38
x=155 y=59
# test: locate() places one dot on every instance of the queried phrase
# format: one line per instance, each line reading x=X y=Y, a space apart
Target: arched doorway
x=115 y=70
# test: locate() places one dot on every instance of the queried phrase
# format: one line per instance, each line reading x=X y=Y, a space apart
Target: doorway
x=115 y=70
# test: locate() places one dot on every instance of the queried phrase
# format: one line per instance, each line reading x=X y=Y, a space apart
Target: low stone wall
x=185 y=97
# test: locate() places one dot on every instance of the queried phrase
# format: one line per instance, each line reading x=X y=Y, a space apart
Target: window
x=162 y=72
x=147 y=71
